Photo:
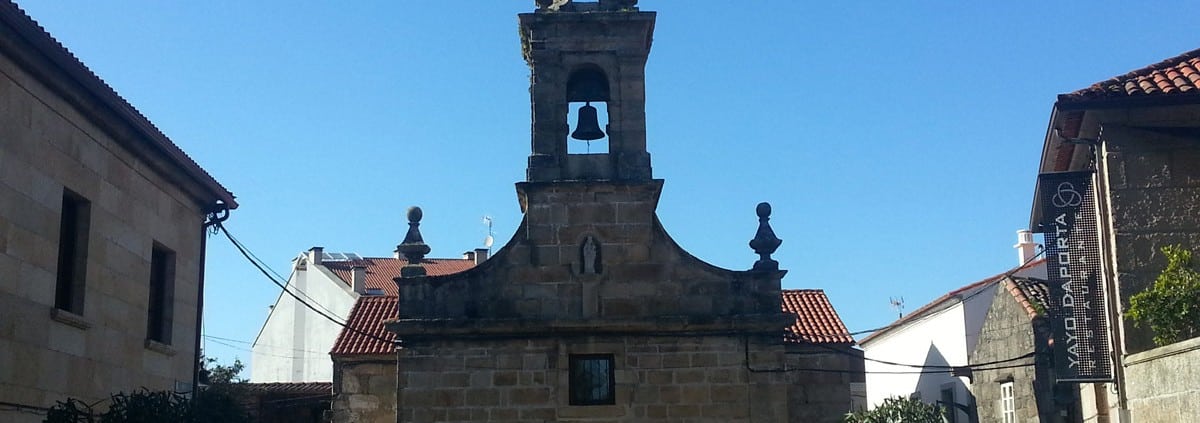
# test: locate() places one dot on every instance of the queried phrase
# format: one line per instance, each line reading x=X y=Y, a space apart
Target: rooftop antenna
x=898 y=305
x=488 y=240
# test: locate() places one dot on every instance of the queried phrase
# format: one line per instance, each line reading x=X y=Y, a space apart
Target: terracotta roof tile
x=1175 y=76
x=381 y=271
x=367 y=316
x=816 y=320
x=1031 y=293
x=306 y=388
x=949 y=295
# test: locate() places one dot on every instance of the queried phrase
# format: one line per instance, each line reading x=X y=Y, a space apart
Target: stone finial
x=765 y=242
x=413 y=248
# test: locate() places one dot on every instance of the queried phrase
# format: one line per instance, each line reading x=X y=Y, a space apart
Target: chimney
x=358 y=278
x=469 y=255
x=480 y=255
x=315 y=254
x=1026 y=248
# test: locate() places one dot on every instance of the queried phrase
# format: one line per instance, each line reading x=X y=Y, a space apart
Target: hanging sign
x=1076 y=303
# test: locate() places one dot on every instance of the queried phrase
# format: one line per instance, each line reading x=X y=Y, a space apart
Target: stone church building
x=592 y=311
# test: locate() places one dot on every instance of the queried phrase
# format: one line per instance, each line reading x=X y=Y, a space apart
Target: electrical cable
x=242 y=249
x=278 y=276
x=902 y=322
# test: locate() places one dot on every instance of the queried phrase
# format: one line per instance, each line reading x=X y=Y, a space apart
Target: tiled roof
x=288 y=388
x=816 y=320
x=25 y=27
x=949 y=296
x=1179 y=75
x=1031 y=293
x=367 y=316
x=381 y=271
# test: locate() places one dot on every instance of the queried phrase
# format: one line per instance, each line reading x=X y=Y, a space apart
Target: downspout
x=1111 y=290
x=217 y=213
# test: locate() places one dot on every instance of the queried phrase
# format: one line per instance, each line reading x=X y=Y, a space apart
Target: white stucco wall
x=938 y=337
x=944 y=335
x=294 y=343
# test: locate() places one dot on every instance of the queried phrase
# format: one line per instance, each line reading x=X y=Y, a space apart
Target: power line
x=242 y=249
x=901 y=322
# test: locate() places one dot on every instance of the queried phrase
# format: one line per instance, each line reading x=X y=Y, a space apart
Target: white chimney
x=481 y=254
x=469 y=255
x=358 y=278
x=315 y=254
x=1026 y=248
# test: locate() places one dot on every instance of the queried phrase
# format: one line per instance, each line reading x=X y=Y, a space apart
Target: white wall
x=294 y=343
x=936 y=338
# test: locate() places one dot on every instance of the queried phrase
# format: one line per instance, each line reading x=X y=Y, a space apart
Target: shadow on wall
x=945 y=389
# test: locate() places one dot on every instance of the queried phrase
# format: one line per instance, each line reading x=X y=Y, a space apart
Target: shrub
x=1172 y=306
x=898 y=410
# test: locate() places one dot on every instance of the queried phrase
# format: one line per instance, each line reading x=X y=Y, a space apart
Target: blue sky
x=897 y=141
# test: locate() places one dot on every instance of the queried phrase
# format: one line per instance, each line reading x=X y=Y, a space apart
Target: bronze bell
x=588 y=127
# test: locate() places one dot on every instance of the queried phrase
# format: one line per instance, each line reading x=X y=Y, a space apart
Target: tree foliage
x=216 y=404
x=1172 y=306
x=899 y=410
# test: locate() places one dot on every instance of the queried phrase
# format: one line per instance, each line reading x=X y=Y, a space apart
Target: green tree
x=898 y=410
x=1172 y=306
x=216 y=404
x=213 y=373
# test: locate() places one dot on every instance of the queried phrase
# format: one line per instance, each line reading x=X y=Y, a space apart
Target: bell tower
x=588 y=54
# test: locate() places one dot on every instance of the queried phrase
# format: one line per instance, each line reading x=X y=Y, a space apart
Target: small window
x=161 y=310
x=1008 y=409
x=948 y=403
x=591 y=378
x=72 y=252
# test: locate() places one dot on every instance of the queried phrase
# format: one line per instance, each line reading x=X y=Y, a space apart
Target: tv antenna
x=488 y=240
x=898 y=305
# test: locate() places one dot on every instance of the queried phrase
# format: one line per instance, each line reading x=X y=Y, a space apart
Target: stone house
x=102 y=235
x=591 y=311
x=943 y=332
x=1139 y=135
x=294 y=342
x=1008 y=390
x=365 y=358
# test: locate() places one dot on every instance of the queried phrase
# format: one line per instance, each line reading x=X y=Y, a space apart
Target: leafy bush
x=1172 y=306
x=899 y=410
x=144 y=406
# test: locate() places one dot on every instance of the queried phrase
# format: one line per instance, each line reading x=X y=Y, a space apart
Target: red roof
x=288 y=388
x=1179 y=75
x=949 y=295
x=367 y=316
x=816 y=320
x=1032 y=294
x=382 y=271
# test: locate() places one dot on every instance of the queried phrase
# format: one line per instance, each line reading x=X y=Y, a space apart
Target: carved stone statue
x=590 y=254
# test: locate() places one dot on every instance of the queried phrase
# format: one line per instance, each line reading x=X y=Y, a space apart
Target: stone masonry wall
x=1154 y=193
x=1008 y=332
x=46 y=146
x=364 y=391
x=661 y=379
x=822 y=394
x=1162 y=384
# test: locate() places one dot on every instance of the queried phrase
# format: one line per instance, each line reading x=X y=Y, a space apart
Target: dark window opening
x=72 y=252
x=162 y=295
x=951 y=413
x=592 y=379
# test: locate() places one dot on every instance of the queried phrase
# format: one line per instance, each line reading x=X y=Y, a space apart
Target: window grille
x=591 y=379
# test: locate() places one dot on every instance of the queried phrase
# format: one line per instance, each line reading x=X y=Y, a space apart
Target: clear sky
x=897 y=141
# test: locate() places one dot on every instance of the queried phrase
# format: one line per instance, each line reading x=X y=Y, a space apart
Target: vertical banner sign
x=1081 y=351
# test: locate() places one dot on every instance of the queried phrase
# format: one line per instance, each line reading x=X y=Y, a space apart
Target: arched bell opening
x=587 y=111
